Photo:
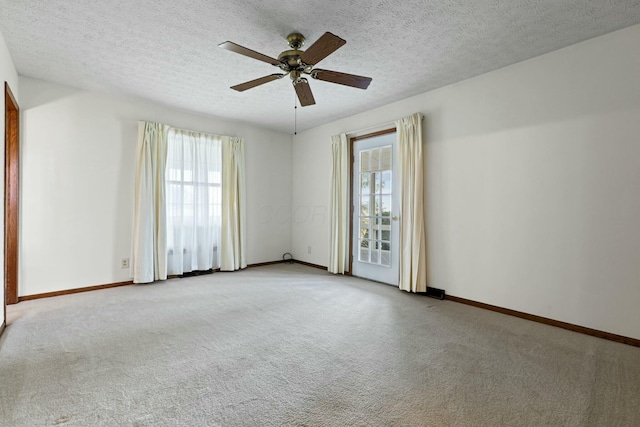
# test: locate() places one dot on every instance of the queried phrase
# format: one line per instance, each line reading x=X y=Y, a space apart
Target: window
x=193 y=201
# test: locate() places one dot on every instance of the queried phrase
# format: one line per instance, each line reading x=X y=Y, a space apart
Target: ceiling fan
x=296 y=63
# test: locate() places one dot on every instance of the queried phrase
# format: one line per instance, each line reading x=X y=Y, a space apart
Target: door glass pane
x=364 y=205
x=375 y=206
x=365 y=183
x=364 y=161
x=385 y=209
x=375 y=256
x=374 y=159
x=385 y=257
x=375 y=234
x=364 y=250
x=364 y=228
x=385 y=158
x=385 y=182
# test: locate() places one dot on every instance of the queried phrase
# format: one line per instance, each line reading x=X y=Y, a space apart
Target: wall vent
x=434 y=293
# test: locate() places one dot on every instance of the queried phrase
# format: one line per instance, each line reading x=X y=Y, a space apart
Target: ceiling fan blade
x=248 y=52
x=257 y=82
x=323 y=47
x=342 y=78
x=303 y=90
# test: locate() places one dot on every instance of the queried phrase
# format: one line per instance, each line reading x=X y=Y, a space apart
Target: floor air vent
x=434 y=293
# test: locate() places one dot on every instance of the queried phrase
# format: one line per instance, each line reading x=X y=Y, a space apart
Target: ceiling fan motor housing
x=295 y=40
x=291 y=59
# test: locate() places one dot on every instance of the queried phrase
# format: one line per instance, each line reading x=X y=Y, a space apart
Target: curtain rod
x=380 y=126
x=188 y=130
x=196 y=131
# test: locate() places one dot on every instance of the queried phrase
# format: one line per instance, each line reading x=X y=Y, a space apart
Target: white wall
x=7 y=74
x=533 y=201
x=78 y=163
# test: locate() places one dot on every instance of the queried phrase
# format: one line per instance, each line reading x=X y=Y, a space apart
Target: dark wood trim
x=11 y=195
x=351 y=184
x=564 y=325
x=74 y=291
x=308 y=264
x=262 y=264
x=352 y=141
x=8 y=93
x=115 y=285
x=374 y=134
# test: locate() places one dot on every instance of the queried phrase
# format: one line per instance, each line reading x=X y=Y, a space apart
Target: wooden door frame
x=352 y=141
x=11 y=195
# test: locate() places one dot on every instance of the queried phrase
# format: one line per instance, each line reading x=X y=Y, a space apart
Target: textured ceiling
x=166 y=50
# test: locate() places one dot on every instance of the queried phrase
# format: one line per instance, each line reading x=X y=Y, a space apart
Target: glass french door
x=375 y=209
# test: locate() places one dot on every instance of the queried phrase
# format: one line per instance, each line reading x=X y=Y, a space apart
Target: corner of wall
x=8 y=74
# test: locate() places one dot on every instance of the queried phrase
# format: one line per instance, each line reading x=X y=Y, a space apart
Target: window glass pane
x=213 y=177
x=187 y=193
x=193 y=204
x=385 y=235
x=173 y=174
x=386 y=222
x=377 y=177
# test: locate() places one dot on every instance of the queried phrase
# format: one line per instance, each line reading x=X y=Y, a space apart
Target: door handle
x=394 y=218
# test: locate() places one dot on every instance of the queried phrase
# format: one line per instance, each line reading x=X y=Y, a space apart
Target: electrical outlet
x=308 y=249
x=124 y=263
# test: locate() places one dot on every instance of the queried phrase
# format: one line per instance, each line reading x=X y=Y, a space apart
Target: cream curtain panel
x=339 y=206
x=149 y=257
x=189 y=208
x=413 y=261
x=193 y=180
x=232 y=254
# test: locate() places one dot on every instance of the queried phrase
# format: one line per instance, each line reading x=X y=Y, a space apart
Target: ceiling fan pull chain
x=295 y=115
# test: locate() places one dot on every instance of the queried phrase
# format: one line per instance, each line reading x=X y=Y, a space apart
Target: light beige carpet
x=287 y=345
